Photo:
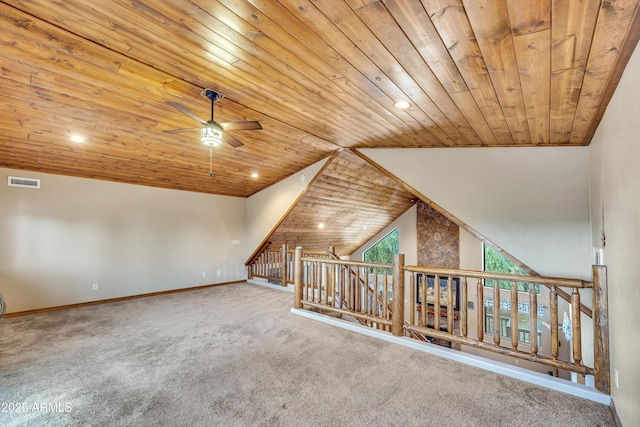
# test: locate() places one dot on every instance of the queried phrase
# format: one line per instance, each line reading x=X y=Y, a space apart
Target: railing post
x=397 y=325
x=297 y=280
x=601 y=329
x=283 y=265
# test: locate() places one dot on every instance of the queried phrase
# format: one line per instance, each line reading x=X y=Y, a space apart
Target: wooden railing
x=438 y=307
x=276 y=265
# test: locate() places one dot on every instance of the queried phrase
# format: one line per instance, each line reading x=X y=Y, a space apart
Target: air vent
x=15 y=181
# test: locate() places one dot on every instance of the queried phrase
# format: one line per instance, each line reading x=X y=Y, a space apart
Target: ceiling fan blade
x=231 y=140
x=180 y=130
x=186 y=111
x=241 y=125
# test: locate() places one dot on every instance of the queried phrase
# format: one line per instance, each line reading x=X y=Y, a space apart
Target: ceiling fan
x=213 y=133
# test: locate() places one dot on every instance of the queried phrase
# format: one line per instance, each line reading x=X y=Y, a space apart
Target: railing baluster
x=450 y=305
x=385 y=296
x=480 y=311
x=423 y=300
x=553 y=320
x=352 y=290
x=336 y=285
x=576 y=332
x=412 y=298
x=367 y=296
x=436 y=302
x=358 y=291
x=314 y=280
x=496 y=312
x=327 y=282
x=463 y=304
x=298 y=280
x=533 y=319
x=515 y=324
x=376 y=273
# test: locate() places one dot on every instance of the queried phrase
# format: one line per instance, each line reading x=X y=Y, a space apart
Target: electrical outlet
x=219 y=273
x=615 y=378
x=94 y=287
x=204 y=274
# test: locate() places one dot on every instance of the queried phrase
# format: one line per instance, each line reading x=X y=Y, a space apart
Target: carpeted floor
x=235 y=356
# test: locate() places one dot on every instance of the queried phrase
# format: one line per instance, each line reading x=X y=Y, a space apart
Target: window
x=383 y=251
x=505 y=319
x=494 y=262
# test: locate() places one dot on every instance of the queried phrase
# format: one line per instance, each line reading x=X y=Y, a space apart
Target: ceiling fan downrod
x=213 y=96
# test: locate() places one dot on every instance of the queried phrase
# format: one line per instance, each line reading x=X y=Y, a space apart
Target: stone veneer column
x=438 y=239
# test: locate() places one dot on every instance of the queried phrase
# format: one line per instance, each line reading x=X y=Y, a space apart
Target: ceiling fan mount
x=212 y=95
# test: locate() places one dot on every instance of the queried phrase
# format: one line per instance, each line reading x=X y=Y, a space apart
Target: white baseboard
x=537 y=378
x=263 y=282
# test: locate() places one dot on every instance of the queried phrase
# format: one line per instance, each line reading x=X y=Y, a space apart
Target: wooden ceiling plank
x=531 y=29
x=41 y=40
x=421 y=32
x=86 y=165
x=426 y=60
x=317 y=22
x=490 y=23
x=612 y=28
x=529 y=16
x=42 y=102
x=382 y=61
x=533 y=51
x=340 y=70
x=572 y=31
x=450 y=20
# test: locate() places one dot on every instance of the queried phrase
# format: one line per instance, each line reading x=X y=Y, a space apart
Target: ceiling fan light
x=211 y=134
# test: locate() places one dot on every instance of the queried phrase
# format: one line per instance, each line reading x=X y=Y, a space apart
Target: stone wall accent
x=438 y=238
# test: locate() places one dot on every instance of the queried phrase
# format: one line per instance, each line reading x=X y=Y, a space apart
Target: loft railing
x=276 y=265
x=375 y=294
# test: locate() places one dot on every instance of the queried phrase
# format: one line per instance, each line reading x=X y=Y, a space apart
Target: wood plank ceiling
x=348 y=203
x=319 y=75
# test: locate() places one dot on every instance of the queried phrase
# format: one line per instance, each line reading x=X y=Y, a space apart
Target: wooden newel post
x=397 y=319
x=297 y=278
x=601 y=329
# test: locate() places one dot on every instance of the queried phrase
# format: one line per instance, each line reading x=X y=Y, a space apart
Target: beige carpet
x=235 y=356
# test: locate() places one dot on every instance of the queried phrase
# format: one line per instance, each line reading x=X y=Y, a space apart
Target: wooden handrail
x=477 y=274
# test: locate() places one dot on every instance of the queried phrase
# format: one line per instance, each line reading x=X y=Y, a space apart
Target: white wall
x=532 y=202
x=55 y=242
x=267 y=207
x=615 y=181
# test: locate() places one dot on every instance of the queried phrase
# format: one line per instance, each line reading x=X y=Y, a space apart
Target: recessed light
x=254 y=175
x=77 y=138
x=321 y=225
x=402 y=104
